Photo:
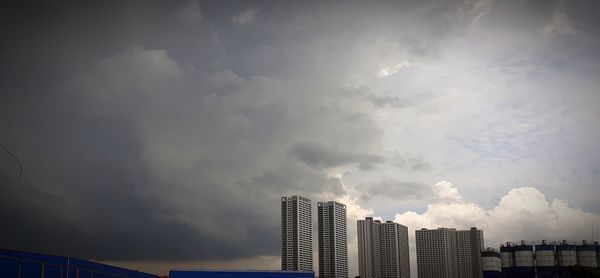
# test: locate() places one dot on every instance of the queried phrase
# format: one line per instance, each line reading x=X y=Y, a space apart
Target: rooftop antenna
x=19 y=162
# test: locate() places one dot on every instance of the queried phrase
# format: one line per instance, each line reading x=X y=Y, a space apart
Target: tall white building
x=448 y=253
x=382 y=249
x=296 y=234
x=333 y=242
x=436 y=253
x=369 y=259
x=469 y=245
x=395 y=260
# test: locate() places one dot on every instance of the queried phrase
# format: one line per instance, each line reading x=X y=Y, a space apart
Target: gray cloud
x=409 y=161
x=189 y=13
x=400 y=190
x=163 y=131
x=320 y=156
x=133 y=155
x=245 y=17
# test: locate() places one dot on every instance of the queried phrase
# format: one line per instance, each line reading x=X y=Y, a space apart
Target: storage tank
x=566 y=256
x=586 y=255
x=524 y=267
x=545 y=263
x=491 y=263
x=507 y=259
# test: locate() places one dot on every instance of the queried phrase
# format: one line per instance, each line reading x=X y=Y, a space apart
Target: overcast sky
x=162 y=134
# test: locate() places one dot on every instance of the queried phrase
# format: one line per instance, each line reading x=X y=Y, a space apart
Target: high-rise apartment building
x=382 y=249
x=395 y=260
x=333 y=242
x=436 y=253
x=469 y=245
x=369 y=260
x=296 y=234
x=448 y=253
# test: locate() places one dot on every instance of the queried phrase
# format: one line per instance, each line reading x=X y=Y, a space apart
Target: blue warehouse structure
x=205 y=273
x=15 y=264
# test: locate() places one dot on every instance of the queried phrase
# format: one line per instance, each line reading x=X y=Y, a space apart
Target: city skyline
x=157 y=134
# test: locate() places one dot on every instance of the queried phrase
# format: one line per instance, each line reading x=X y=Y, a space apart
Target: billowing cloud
x=524 y=213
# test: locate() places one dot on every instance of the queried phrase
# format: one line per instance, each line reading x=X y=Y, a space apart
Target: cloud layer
x=165 y=132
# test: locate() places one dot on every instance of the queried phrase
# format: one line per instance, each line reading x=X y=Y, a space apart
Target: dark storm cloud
x=139 y=143
x=167 y=130
x=319 y=156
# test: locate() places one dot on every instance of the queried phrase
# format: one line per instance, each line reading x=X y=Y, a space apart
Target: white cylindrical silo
x=491 y=263
x=524 y=266
x=507 y=260
x=566 y=256
x=545 y=262
x=586 y=255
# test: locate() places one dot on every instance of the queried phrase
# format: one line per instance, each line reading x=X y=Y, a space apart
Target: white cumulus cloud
x=523 y=213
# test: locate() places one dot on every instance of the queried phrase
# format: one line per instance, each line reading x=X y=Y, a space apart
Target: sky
x=162 y=134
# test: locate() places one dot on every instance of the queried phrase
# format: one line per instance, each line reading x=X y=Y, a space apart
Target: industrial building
x=448 y=253
x=17 y=264
x=546 y=259
x=333 y=242
x=296 y=234
x=382 y=249
x=209 y=273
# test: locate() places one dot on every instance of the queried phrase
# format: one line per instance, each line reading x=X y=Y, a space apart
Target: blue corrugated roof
x=225 y=273
x=33 y=262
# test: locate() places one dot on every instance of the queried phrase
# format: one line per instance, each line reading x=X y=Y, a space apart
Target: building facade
x=382 y=249
x=436 y=253
x=448 y=253
x=469 y=245
x=395 y=260
x=369 y=260
x=296 y=234
x=333 y=242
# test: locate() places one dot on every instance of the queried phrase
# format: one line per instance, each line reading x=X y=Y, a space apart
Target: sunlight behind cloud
x=387 y=71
